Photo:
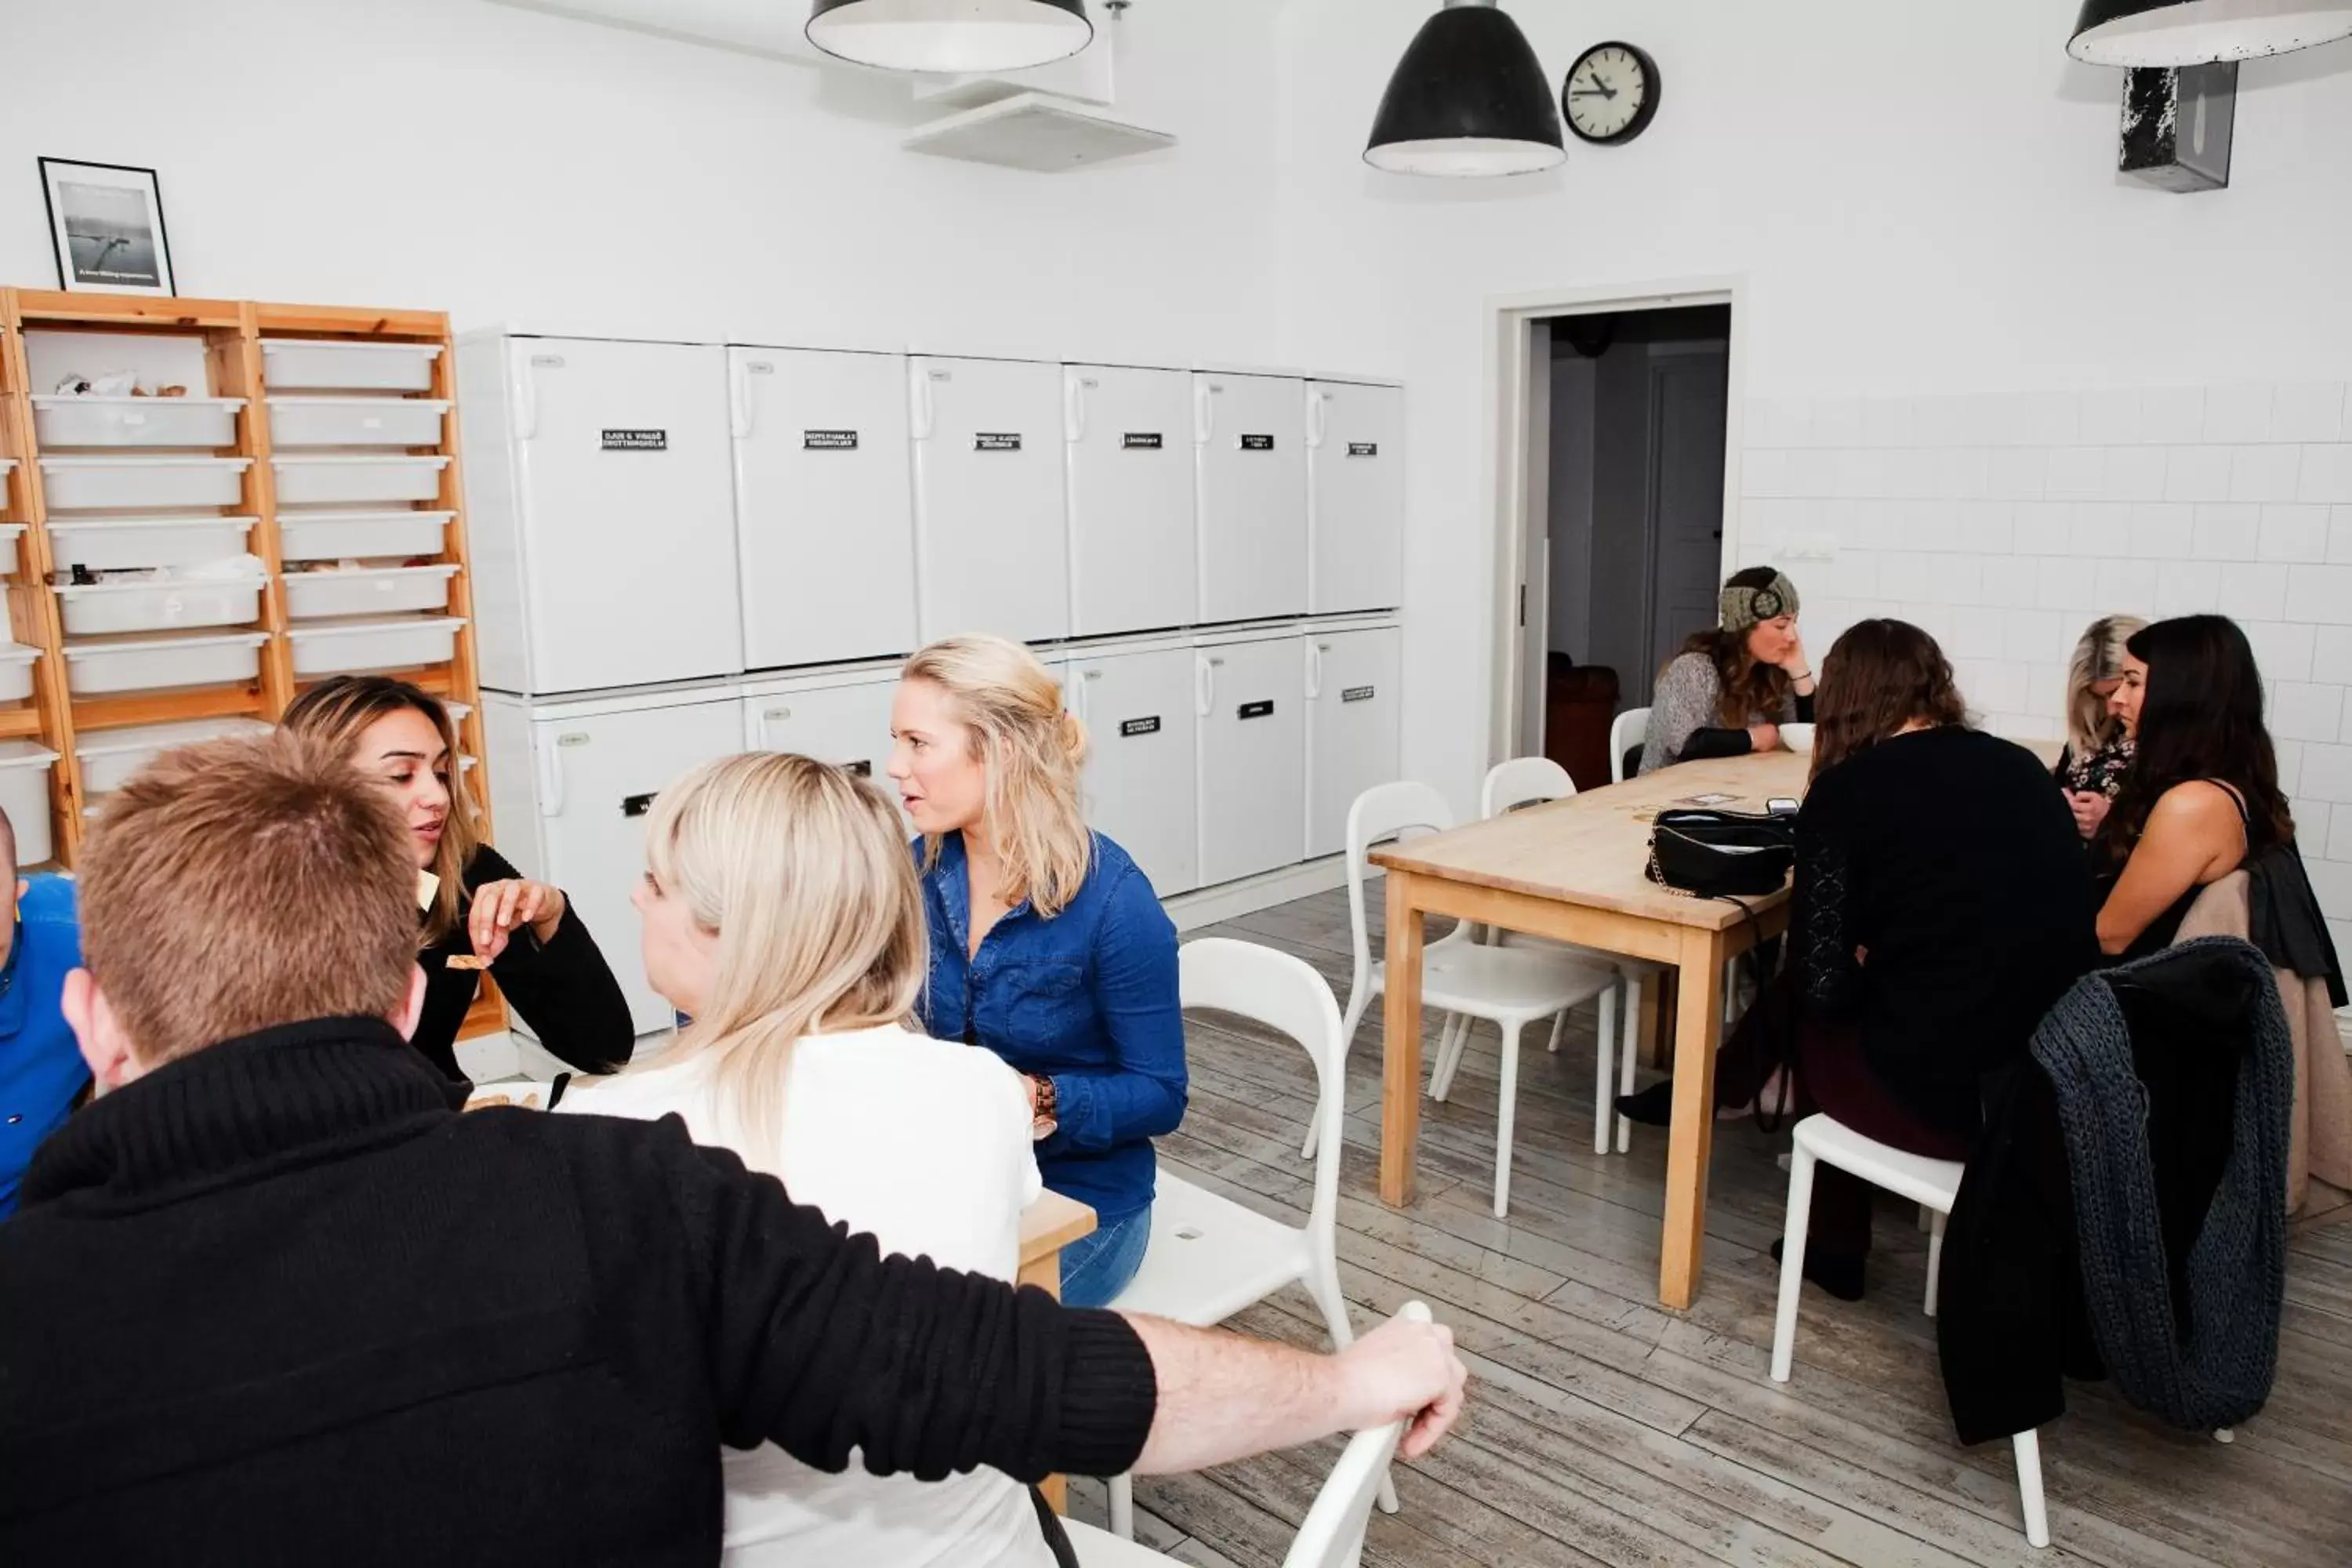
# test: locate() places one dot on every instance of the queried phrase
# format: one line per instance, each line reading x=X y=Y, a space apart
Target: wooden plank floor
x=1604 y=1429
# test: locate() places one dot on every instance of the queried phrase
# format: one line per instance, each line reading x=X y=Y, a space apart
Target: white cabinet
x=1141 y=786
x=603 y=511
x=991 y=547
x=1132 y=562
x=1250 y=455
x=1355 y=495
x=570 y=787
x=825 y=519
x=1252 y=752
x=845 y=723
x=1353 y=737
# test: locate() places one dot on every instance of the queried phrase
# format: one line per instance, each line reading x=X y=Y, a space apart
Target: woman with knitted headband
x=1047 y=944
x=1731 y=688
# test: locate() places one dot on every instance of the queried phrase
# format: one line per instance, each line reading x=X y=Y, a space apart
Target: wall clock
x=1612 y=94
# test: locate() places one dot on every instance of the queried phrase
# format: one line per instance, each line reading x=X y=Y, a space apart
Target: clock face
x=1612 y=93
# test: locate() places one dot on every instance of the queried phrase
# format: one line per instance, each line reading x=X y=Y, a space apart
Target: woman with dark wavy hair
x=1942 y=904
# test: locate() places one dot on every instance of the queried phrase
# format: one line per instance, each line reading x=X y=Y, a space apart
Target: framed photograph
x=107 y=223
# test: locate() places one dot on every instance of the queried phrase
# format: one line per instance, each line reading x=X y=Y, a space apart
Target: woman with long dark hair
x=1942 y=904
x=1732 y=687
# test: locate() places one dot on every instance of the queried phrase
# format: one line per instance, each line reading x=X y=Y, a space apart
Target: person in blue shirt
x=1048 y=945
x=41 y=1070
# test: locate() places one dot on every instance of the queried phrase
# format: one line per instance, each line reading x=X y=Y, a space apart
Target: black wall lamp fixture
x=1469 y=98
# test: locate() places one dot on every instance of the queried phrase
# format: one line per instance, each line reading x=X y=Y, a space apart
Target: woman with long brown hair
x=1942 y=904
x=1732 y=687
x=481 y=910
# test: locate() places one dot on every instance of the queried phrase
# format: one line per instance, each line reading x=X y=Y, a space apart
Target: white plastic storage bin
x=91 y=483
x=374 y=593
x=17 y=671
x=119 y=543
x=300 y=363
x=109 y=757
x=357 y=535
x=145 y=664
x=12 y=534
x=25 y=793
x=341 y=648
x=303 y=481
x=98 y=609
x=73 y=421
x=355 y=421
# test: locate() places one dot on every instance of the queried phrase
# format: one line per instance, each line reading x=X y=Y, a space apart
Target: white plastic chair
x=1508 y=987
x=1331 y=1536
x=1631 y=728
x=1209 y=1257
x=1933 y=1184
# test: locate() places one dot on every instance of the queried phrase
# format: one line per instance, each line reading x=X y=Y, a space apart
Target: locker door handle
x=919 y=399
x=526 y=395
x=739 y=397
x=1085 y=704
x=766 y=714
x=1314 y=670
x=1074 y=407
x=551 y=781
x=1204 y=418
x=1315 y=416
x=1205 y=686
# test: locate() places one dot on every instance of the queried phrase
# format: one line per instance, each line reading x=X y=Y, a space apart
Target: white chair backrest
x=1333 y=1533
x=1282 y=992
x=1523 y=781
x=1631 y=729
x=1382 y=812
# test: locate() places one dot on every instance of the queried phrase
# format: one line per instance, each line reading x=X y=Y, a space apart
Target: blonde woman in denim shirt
x=1048 y=945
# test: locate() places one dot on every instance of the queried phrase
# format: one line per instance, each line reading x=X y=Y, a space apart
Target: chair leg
x=1450 y=1047
x=1322 y=1283
x=1559 y=1027
x=1357 y=1001
x=1730 y=990
x=1934 y=1260
x=1122 y=1507
x=1605 y=1051
x=1793 y=1261
x=2028 y=1444
x=1629 y=1031
x=1510 y=1102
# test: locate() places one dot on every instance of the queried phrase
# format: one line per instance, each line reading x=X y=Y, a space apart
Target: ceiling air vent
x=1038 y=132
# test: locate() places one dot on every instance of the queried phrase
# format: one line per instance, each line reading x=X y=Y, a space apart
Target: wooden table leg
x=1045 y=1273
x=1699 y=1005
x=1401 y=1051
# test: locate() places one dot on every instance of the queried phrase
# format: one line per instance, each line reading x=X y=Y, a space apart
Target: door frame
x=1509 y=322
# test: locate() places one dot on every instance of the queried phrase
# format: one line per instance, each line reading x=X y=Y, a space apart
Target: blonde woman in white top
x=783 y=914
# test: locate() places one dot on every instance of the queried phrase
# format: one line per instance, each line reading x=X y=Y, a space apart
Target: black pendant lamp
x=1469 y=98
x=2176 y=33
x=950 y=37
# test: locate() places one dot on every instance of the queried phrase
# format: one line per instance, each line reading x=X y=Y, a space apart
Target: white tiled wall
x=2005 y=523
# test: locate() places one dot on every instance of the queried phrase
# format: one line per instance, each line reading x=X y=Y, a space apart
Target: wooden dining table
x=1573 y=871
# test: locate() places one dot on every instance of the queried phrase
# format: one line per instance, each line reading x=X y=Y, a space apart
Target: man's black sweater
x=279 y=1302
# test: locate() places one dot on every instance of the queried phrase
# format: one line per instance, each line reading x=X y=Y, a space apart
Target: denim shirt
x=41 y=1067
x=1088 y=999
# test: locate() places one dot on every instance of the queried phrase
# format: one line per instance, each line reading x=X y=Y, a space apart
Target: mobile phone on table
x=1782 y=805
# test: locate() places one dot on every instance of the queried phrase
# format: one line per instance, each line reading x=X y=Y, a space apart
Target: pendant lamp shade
x=950 y=37
x=1468 y=99
x=2176 y=33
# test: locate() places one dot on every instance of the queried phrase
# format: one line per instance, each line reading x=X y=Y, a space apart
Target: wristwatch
x=1043 y=1121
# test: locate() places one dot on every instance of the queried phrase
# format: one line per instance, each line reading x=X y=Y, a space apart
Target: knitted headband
x=1744 y=607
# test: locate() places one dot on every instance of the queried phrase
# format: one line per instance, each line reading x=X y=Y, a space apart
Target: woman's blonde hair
x=336 y=711
x=2099 y=656
x=801 y=871
x=1032 y=751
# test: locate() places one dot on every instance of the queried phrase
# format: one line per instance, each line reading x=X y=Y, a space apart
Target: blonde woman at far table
x=1729 y=691
x=2098 y=752
x=783 y=915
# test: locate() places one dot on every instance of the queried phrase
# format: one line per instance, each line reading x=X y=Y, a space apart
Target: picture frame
x=106 y=225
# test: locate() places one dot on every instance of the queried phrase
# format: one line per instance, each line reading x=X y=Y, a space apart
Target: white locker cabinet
x=603 y=513
x=1354 y=739
x=991 y=548
x=1355 y=497
x=1250 y=456
x=1247 y=691
x=846 y=723
x=825 y=513
x=1130 y=474
x=571 y=785
x=1142 y=786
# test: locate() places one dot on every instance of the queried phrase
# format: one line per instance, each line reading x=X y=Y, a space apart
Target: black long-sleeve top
x=277 y=1302
x=564 y=988
x=1948 y=859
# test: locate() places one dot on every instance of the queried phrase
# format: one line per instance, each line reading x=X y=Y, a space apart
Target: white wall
x=513 y=167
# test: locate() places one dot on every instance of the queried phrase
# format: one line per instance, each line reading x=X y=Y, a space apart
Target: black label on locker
x=1146 y=726
x=1363 y=449
x=1257 y=443
x=636 y=440
x=636 y=804
x=1356 y=694
x=861 y=769
x=996 y=441
x=1258 y=709
x=1142 y=441
x=829 y=440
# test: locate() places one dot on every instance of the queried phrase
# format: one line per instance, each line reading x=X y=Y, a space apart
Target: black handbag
x=1721 y=854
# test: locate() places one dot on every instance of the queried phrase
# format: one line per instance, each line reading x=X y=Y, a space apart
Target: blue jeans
x=1096 y=1267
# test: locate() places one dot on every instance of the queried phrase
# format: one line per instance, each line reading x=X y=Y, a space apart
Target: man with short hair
x=272 y=1299
x=41 y=1072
